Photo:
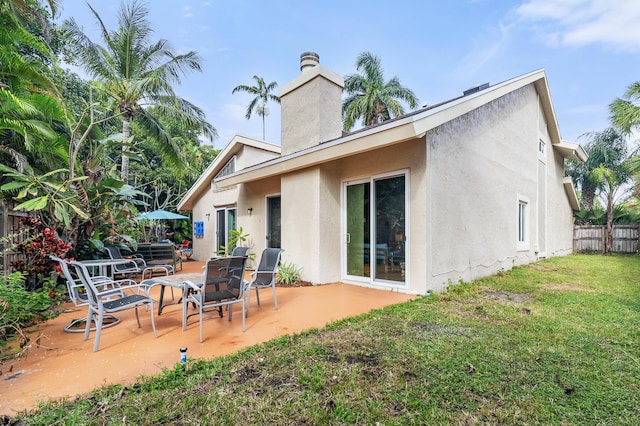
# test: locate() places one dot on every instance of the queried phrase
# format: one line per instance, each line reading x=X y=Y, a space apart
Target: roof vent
x=475 y=89
x=308 y=60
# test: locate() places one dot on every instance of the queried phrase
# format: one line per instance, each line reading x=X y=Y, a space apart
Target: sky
x=590 y=49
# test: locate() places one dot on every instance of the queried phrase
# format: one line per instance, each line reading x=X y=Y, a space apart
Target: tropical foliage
x=605 y=173
x=135 y=73
x=370 y=98
x=262 y=92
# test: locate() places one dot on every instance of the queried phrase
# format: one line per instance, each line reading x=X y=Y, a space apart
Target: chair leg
x=247 y=291
x=185 y=304
x=153 y=321
x=89 y=320
x=257 y=295
x=275 y=298
x=96 y=343
x=243 y=317
x=138 y=317
x=201 y=315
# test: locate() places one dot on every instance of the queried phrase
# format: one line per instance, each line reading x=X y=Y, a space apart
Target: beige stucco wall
x=216 y=197
x=479 y=166
x=312 y=215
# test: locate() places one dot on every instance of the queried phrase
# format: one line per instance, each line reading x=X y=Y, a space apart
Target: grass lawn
x=556 y=342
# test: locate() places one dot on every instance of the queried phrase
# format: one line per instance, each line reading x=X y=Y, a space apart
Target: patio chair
x=240 y=251
x=265 y=275
x=137 y=265
x=185 y=249
x=98 y=306
x=222 y=286
x=79 y=297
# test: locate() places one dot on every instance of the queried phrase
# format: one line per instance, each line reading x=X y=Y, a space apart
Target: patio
x=63 y=364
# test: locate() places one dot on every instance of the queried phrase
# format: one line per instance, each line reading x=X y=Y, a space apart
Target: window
x=228 y=168
x=522 y=222
x=541 y=146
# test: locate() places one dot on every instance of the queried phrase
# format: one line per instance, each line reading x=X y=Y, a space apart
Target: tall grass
x=557 y=342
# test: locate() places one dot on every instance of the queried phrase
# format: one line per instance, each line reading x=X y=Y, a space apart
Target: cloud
x=613 y=24
x=490 y=44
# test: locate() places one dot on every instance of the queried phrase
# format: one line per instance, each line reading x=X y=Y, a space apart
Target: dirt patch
x=567 y=287
x=508 y=296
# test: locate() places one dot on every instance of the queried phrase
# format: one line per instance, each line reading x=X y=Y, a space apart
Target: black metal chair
x=222 y=286
x=265 y=275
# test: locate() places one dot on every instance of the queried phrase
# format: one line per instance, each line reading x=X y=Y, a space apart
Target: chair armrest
x=192 y=286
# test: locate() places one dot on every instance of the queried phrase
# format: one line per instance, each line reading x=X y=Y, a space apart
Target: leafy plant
x=236 y=236
x=20 y=308
x=288 y=273
x=41 y=241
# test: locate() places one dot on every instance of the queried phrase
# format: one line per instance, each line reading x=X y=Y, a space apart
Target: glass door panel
x=389 y=229
x=357 y=224
x=273 y=222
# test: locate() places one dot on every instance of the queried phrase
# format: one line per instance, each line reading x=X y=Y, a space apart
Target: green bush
x=20 y=308
x=288 y=273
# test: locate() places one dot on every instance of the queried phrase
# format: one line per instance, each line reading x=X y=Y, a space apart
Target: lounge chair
x=265 y=275
x=222 y=286
x=98 y=306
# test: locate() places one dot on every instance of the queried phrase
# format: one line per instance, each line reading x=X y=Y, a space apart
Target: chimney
x=311 y=106
x=309 y=60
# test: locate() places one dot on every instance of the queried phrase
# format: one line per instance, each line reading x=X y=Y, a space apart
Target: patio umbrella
x=160 y=215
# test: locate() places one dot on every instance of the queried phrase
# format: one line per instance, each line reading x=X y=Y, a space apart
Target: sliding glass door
x=225 y=221
x=375 y=224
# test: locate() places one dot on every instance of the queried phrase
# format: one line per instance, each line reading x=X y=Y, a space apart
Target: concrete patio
x=63 y=364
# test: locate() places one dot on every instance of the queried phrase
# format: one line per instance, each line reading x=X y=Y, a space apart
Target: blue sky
x=590 y=49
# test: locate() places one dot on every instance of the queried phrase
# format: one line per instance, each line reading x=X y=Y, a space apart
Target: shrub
x=288 y=273
x=20 y=308
x=40 y=242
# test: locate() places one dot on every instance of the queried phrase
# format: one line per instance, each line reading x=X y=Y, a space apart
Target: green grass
x=557 y=342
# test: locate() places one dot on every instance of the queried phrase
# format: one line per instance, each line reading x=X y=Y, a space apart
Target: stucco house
x=451 y=192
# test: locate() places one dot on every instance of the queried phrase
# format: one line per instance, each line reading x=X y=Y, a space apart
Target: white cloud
x=614 y=24
x=490 y=44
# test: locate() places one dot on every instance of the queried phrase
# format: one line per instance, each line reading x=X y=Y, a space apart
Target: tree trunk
x=608 y=248
x=126 y=134
x=588 y=195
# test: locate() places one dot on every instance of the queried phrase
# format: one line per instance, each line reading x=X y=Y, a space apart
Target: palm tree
x=262 y=92
x=625 y=112
x=136 y=73
x=370 y=98
x=29 y=100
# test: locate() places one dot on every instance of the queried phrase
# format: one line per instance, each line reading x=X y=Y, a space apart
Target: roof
x=233 y=147
x=413 y=125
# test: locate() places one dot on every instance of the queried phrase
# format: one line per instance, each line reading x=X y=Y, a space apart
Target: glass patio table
x=174 y=281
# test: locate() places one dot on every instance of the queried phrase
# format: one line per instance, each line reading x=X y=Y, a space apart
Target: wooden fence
x=9 y=226
x=590 y=238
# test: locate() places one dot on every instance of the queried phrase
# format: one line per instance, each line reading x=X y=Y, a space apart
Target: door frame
x=268 y=219
x=371 y=280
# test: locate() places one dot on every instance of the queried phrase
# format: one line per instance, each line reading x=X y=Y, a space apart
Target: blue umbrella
x=160 y=215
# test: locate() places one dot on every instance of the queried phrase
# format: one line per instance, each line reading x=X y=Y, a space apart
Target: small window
x=541 y=146
x=228 y=168
x=522 y=222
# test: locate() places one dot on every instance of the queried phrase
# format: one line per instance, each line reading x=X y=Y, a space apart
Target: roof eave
x=201 y=184
x=571 y=193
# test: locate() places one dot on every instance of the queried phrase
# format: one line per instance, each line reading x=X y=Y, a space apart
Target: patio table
x=174 y=281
